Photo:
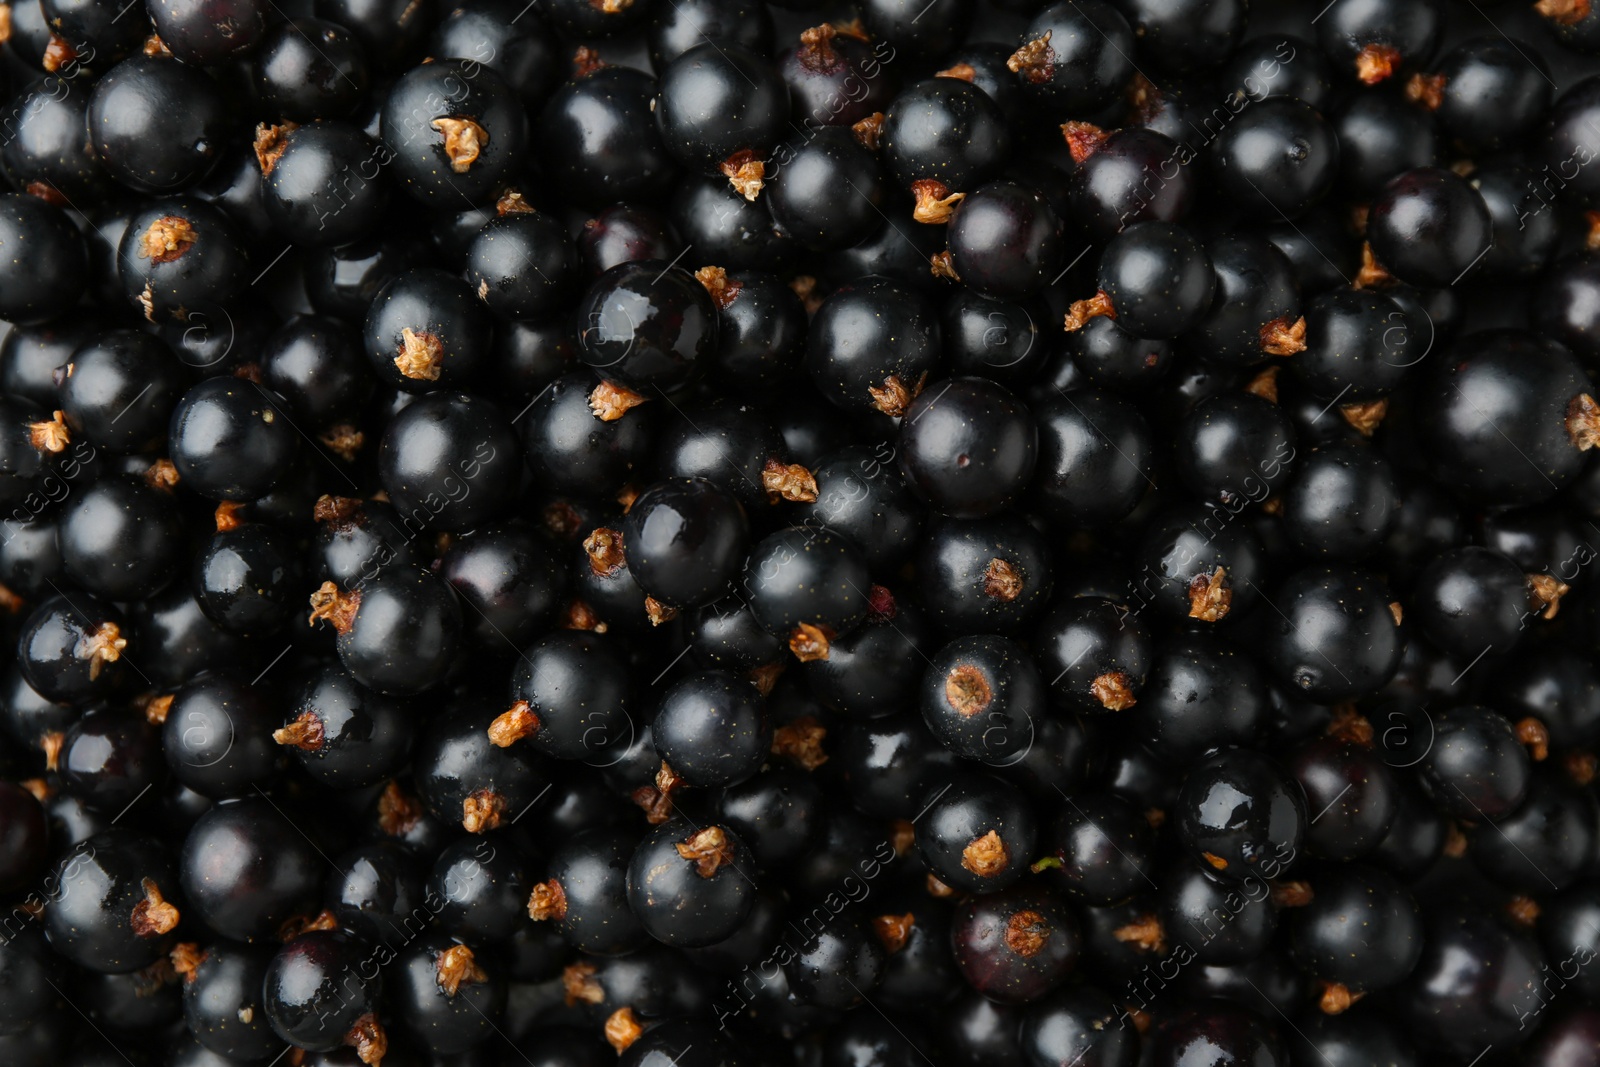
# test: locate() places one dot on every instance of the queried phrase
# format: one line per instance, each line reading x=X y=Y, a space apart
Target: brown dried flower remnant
x=513 y=725
x=1372 y=274
x=960 y=72
x=421 y=355
x=1081 y=311
x=967 y=690
x=604 y=549
x=1544 y=594
x=808 y=643
x=1564 y=12
x=622 y=1029
x=343 y=440
x=153 y=916
x=226 y=517
x=1083 y=139
x=58 y=53
x=185 y=959
x=1350 y=725
x=1027 y=932
x=941 y=265
x=271 y=141
x=1532 y=733
x=339 y=609
x=1002 y=580
x=167 y=239
x=368 y=1038
x=455 y=967
x=657 y=612
x=1281 y=337
x=398 y=811
x=1292 y=894
x=788 y=481
x=986 y=856
x=893 y=397
x=50 y=435
x=1376 y=63
x=893 y=931
x=715 y=280
x=306 y=732
x=1210 y=597
x=464 y=141
x=482 y=811
x=101 y=646
x=868 y=131
x=610 y=401
x=800 y=742
x=156 y=708
x=579 y=985
x=1366 y=417
x=708 y=848
x=1523 y=910
x=1337 y=998
x=1145 y=933
x=548 y=901
x=1583 y=422
x=162 y=475
x=935 y=203
x=300 y=925
x=745 y=173
x=1426 y=89
x=1035 y=60
x=1113 y=691
x=585 y=61
x=512 y=202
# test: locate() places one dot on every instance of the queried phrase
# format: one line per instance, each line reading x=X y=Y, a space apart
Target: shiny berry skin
x=584 y=895
x=181 y=254
x=717 y=100
x=1096 y=457
x=1475 y=765
x=1158 y=278
x=943 y=130
x=398 y=632
x=1547 y=841
x=1202 y=694
x=1087 y=61
x=231 y=439
x=222 y=1001
x=120 y=390
x=157 y=125
x=648 y=326
x=245 y=868
x=320 y=184
x=599 y=134
x=1360 y=345
x=1280 y=155
x=837 y=967
x=1529 y=446
x=690 y=887
x=1094 y=652
x=1239 y=814
x=834 y=79
x=1429 y=227
x=426 y=330
x=1223 y=923
x=45 y=267
x=1336 y=637
x=46 y=151
x=981 y=696
x=1005 y=241
x=309 y=68
x=804 y=195
x=978 y=835
x=450 y=461
x=684 y=540
x=71 y=650
x=120 y=539
x=577 y=686
x=872 y=345
x=343 y=734
x=1459 y=1010
x=453 y=129
x=1371 y=40
x=967 y=447
x=1077 y=1024
x=1225 y=1033
x=116 y=903
x=801 y=579
x=24 y=842
x=217 y=736
x=319 y=996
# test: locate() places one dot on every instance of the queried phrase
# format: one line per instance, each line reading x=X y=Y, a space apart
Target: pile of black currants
x=717 y=533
